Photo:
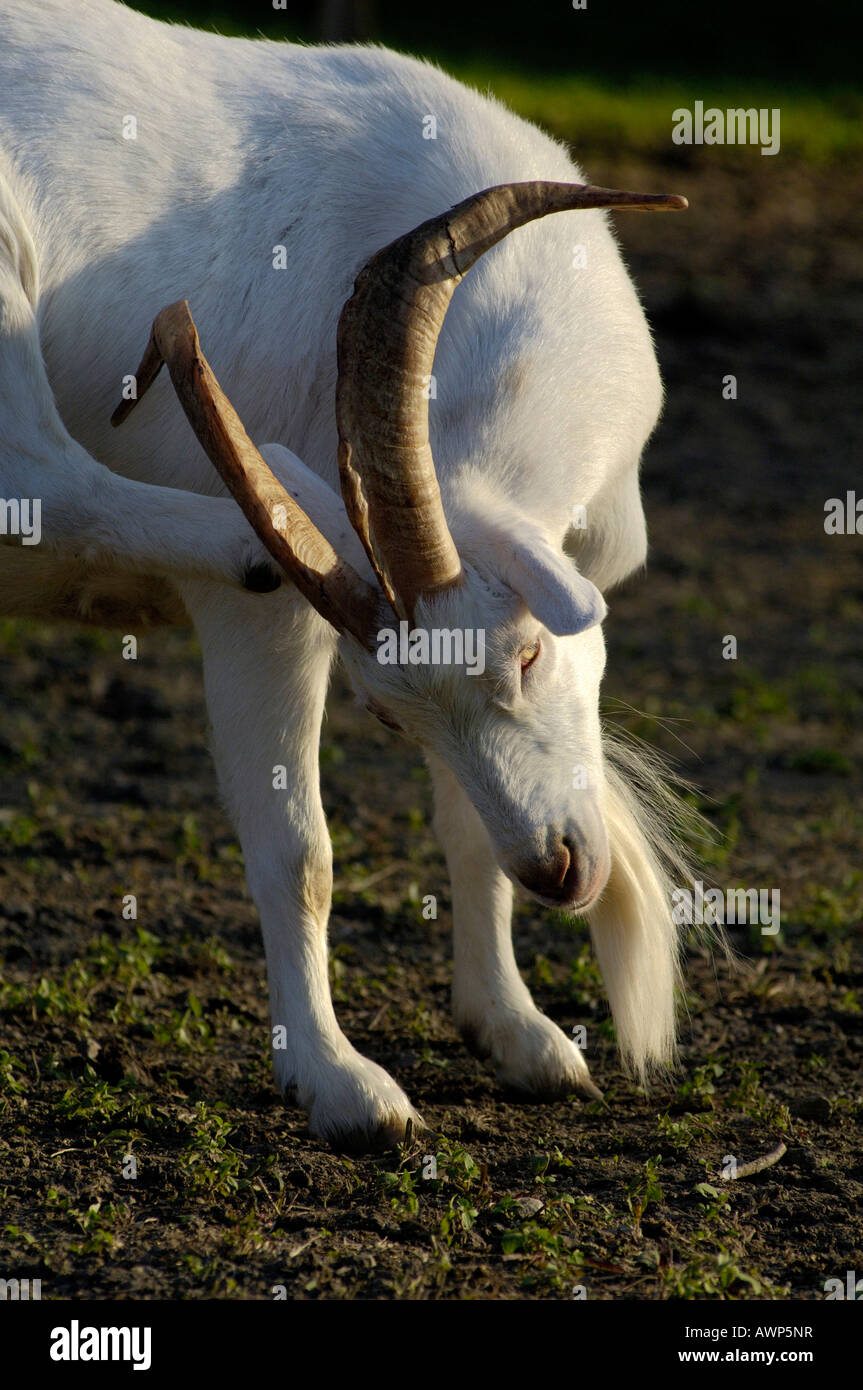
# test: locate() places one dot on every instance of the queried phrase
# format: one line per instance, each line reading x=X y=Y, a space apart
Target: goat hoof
x=388 y=1134
x=531 y=1055
x=356 y=1107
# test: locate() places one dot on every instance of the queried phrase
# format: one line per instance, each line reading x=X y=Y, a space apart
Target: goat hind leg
x=89 y=517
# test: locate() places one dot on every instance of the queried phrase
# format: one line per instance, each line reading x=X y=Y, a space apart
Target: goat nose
x=555 y=876
x=565 y=877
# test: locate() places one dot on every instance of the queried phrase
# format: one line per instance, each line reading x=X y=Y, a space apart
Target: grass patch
x=638 y=117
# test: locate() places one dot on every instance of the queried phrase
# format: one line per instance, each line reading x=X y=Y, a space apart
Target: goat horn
x=329 y=583
x=387 y=336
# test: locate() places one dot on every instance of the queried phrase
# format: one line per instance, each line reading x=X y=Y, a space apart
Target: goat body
x=142 y=163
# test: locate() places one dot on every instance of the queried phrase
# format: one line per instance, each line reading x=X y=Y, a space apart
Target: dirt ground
x=148 y=1038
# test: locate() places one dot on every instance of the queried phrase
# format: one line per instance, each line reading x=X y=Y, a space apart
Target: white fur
x=547 y=388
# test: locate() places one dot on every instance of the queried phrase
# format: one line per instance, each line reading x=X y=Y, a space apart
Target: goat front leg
x=492 y=1006
x=266 y=664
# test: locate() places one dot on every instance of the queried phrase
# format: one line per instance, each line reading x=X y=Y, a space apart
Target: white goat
x=142 y=164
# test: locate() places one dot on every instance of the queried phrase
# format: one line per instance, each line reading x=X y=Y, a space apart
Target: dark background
x=807 y=46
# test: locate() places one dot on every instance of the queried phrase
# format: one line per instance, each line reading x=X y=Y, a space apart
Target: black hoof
x=383 y=1137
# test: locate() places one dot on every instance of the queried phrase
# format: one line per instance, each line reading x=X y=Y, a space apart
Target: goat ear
x=550 y=585
x=509 y=546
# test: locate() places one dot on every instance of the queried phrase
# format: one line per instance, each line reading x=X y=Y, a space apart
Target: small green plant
x=835 y=909
x=546 y=1166
x=644 y=1190
x=11 y=1084
x=552 y=1259
x=96 y=1223
x=70 y=998
x=749 y=1095
x=188 y=1030
x=585 y=981
x=684 y=1130
x=714 y=1276
x=209 y=1162
x=455 y=1165
x=97 y=1104
x=127 y=961
x=400 y=1188
x=713 y=1199
x=542 y=972
x=19 y=831
x=701 y=1088
x=458 y=1218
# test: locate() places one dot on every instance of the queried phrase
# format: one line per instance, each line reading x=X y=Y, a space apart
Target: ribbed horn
x=387 y=337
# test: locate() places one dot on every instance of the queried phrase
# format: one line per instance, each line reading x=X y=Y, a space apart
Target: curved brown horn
x=388 y=333
x=335 y=589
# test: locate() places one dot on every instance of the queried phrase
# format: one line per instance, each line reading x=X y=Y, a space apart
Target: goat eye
x=528 y=655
